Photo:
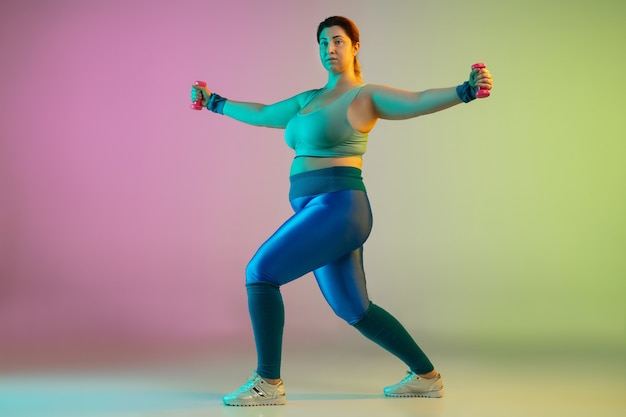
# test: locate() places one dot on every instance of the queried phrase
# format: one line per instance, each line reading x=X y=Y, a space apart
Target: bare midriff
x=311 y=163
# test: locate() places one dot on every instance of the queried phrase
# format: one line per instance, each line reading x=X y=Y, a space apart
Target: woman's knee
x=266 y=268
x=350 y=314
x=257 y=272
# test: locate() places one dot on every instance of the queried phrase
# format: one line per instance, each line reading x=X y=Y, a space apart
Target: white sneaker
x=257 y=391
x=414 y=386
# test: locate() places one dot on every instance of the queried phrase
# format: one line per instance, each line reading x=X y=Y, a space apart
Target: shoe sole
x=256 y=403
x=431 y=394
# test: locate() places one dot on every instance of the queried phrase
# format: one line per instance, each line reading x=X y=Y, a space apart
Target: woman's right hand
x=200 y=93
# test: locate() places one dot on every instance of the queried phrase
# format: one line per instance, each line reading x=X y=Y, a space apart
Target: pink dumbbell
x=483 y=92
x=197 y=105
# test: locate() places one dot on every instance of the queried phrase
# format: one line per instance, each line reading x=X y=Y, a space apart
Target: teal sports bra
x=326 y=132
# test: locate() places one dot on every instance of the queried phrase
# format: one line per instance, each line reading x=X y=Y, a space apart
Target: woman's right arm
x=275 y=115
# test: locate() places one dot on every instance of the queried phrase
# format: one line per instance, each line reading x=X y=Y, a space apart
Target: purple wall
x=126 y=217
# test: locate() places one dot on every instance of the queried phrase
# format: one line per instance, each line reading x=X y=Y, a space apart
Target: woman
x=328 y=129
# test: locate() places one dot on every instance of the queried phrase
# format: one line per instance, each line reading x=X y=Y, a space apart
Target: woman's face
x=336 y=50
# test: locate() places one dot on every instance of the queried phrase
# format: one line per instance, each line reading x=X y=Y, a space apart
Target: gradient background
x=126 y=219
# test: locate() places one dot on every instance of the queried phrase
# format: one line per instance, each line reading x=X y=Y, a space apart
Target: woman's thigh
x=324 y=229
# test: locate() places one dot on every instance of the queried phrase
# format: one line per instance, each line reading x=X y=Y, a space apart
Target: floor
x=324 y=382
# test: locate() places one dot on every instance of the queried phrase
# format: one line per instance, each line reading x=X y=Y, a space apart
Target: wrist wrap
x=216 y=103
x=466 y=92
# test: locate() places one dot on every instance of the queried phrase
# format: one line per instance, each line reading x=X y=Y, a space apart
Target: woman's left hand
x=481 y=78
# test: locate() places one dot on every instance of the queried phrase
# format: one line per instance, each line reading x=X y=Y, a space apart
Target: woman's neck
x=342 y=80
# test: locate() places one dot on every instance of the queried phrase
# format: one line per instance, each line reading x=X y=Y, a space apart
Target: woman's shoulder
x=379 y=90
x=306 y=96
x=312 y=92
x=367 y=90
x=370 y=88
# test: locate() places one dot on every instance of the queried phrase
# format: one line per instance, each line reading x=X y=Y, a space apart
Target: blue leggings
x=324 y=236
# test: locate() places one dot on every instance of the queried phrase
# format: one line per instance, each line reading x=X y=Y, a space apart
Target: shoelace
x=408 y=377
x=251 y=382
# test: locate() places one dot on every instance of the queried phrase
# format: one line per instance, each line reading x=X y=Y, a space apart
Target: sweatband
x=466 y=92
x=216 y=103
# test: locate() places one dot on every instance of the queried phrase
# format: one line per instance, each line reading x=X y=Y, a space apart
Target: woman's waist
x=302 y=164
x=325 y=180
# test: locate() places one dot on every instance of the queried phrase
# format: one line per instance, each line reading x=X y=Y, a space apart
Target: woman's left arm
x=391 y=103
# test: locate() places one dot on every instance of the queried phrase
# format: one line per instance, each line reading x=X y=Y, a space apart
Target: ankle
x=430 y=375
x=272 y=381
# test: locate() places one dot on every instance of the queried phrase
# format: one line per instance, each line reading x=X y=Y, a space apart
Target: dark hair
x=351 y=30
